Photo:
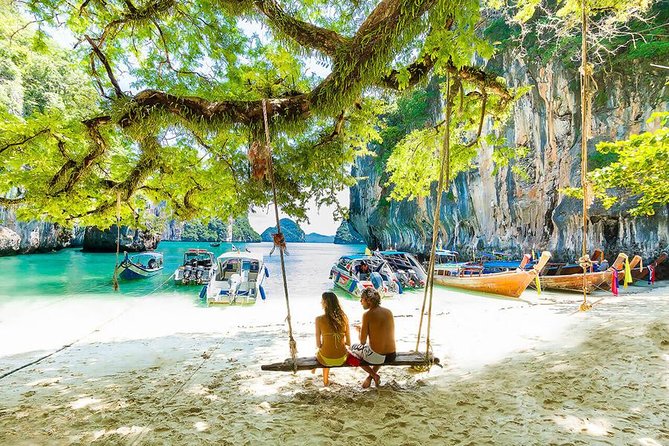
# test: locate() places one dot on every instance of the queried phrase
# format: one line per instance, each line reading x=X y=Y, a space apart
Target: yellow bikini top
x=337 y=336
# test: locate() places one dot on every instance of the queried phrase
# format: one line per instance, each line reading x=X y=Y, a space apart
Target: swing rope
x=443 y=178
x=118 y=238
x=585 y=72
x=279 y=238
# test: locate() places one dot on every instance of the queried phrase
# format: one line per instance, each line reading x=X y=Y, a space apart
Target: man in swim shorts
x=378 y=327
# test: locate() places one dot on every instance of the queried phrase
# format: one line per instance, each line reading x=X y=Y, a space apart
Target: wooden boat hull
x=510 y=283
x=507 y=283
x=593 y=280
x=643 y=273
x=574 y=282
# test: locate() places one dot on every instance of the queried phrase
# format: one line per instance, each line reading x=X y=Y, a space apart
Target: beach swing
x=417 y=360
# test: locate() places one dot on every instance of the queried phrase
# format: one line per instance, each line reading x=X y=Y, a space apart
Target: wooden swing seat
x=309 y=363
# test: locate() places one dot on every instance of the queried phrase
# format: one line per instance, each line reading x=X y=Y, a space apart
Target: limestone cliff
x=499 y=210
x=35 y=236
x=131 y=240
x=347 y=235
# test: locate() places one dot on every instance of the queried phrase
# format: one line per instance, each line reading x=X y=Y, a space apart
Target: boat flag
x=651 y=275
x=538 y=282
x=628 y=273
x=614 y=281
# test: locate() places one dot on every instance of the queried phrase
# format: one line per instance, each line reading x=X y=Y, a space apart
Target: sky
x=321 y=221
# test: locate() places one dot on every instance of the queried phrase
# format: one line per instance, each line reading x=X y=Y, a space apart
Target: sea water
x=72 y=272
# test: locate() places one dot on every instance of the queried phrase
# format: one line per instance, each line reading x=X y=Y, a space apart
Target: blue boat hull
x=130 y=271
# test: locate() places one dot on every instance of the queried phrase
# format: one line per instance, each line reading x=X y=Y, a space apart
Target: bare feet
x=367 y=382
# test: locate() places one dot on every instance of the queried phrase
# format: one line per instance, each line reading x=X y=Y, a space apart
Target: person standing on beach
x=378 y=327
x=332 y=335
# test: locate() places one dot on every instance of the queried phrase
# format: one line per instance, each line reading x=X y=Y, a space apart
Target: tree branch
x=78 y=170
x=7 y=202
x=417 y=72
x=24 y=140
x=189 y=108
x=110 y=73
x=324 y=40
x=485 y=80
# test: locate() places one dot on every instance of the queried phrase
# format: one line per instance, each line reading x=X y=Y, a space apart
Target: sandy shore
x=161 y=370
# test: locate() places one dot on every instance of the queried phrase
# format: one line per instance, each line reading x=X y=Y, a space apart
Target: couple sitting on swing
x=377 y=337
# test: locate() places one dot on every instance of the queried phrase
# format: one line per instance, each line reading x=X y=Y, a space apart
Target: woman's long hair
x=333 y=312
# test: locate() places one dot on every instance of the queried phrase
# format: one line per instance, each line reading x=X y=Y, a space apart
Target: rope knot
x=279 y=242
x=585 y=262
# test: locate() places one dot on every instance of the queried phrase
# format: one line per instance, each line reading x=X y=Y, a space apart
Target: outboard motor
x=402 y=277
x=413 y=278
x=199 y=274
x=188 y=272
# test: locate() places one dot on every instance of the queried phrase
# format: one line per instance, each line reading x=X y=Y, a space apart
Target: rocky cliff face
x=501 y=211
x=131 y=240
x=347 y=235
x=34 y=236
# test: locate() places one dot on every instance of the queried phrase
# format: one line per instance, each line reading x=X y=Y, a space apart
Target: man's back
x=381 y=327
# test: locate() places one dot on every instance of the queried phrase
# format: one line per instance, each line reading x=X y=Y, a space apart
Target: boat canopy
x=240 y=255
x=146 y=256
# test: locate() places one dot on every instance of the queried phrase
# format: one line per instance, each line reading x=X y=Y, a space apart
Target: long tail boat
x=508 y=283
x=574 y=282
x=642 y=273
x=564 y=269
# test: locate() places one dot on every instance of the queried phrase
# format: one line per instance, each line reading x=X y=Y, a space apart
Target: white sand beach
x=162 y=370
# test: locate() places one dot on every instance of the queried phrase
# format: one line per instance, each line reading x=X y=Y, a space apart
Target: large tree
x=182 y=85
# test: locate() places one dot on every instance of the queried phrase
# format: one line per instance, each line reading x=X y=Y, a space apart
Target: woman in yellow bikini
x=332 y=335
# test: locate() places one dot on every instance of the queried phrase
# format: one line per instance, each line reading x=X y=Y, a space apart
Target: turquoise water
x=71 y=272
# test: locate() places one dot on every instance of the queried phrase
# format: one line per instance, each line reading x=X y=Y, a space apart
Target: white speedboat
x=196 y=268
x=354 y=273
x=237 y=278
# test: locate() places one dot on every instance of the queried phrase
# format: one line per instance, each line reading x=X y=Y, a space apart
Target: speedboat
x=139 y=266
x=196 y=267
x=408 y=270
x=350 y=275
x=237 y=278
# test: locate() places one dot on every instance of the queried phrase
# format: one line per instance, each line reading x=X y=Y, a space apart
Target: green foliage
x=242 y=231
x=413 y=165
x=61 y=167
x=502 y=156
x=501 y=33
x=214 y=230
x=641 y=169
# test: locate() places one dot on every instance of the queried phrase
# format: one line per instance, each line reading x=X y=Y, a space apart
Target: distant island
x=291 y=231
x=294 y=234
x=314 y=237
x=218 y=231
